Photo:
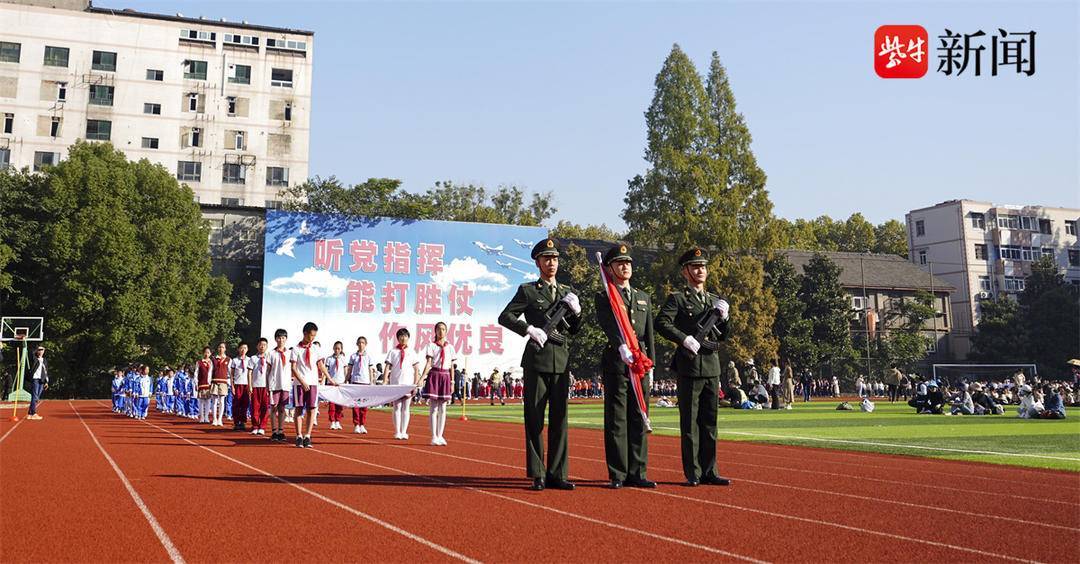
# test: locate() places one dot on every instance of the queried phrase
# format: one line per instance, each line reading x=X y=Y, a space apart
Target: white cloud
x=468 y=269
x=312 y=282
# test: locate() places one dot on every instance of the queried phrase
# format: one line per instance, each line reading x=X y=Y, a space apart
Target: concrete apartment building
x=985 y=250
x=222 y=105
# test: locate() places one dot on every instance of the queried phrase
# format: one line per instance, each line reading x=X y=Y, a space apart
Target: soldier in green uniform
x=545 y=366
x=625 y=443
x=697 y=367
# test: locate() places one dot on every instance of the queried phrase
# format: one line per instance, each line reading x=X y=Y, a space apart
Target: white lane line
x=17 y=423
x=542 y=507
x=174 y=553
x=932 y=508
x=742 y=508
x=901 y=483
x=335 y=503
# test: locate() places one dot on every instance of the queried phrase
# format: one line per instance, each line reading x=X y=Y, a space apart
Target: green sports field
x=893 y=429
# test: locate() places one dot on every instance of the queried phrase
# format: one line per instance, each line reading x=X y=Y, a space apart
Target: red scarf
x=282 y=353
x=401 y=356
x=307 y=352
x=260 y=364
x=442 y=353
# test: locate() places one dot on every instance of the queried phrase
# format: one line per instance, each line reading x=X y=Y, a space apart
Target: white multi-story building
x=985 y=250
x=223 y=105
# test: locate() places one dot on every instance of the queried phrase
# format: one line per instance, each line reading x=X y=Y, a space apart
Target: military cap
x=547 y=247
x=694 y=256
x=616 y=253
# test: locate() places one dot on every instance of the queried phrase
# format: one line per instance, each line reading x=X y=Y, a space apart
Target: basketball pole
x=20 y=361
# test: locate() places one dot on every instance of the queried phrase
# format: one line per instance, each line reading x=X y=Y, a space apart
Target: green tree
x=856 y=235
x=890 y=237
x=790 y=326
x=1050 y=316
x=568 y=230
x=120 y=270
x=829 y=312
x=375 y=197
x=999 y=337
x=741 y=281
x=581 y=272
x=903 y=343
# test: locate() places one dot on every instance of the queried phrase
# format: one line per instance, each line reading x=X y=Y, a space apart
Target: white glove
x=691 y=344
x=537 y=334
x=572 y=301
x=627 y=356
x=723 y=306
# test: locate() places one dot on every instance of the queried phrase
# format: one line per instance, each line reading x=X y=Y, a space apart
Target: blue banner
x=369 y=277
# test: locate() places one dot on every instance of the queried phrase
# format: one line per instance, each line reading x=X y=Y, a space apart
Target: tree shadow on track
x=393 y=480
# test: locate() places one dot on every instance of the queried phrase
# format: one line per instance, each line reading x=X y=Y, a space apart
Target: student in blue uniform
x=117 y=391
x=145 y=387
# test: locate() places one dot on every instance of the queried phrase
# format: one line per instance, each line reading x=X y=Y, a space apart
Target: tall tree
x=791 y=326
x=890 y=237
x=1000 y=336
x=902 y=342
x=121 y=269
x=856 y=235
x=1050 y=315
x=829 y=310
x=741 y=281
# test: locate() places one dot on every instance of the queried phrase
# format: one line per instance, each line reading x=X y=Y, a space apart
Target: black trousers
x=697 y=425
x=541 y=390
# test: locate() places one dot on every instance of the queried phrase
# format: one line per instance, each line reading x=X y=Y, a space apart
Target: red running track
x=86 y=485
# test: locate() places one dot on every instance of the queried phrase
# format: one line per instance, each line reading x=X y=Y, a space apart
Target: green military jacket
x=534 y=303
x=639 y=310
x=679 y=317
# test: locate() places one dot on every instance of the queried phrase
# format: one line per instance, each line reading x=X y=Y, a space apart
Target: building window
x=149 y=142
x=195 y=70
x=149 y=108
x=61 y=91
x=241 y=39
x=1045 y=227
x=1014 y=284
x=920 y=228
x=1070 y=227
x=1009 y=221
x=978 y=220
x=1026 y=223
x=5 y=158
x=192 y=102
x=241 y=74
x=43 y=159
x=155 y=75
x=980 y=252
x=101 y=95
x=1009 y=252
x=858 y=303
x=1074 y=257
x=190 y=171
x=239 y=141
x=273 y=204
x=217 y=226
x=230 y=105
x=289 y=44
x=281 y=77
x=233 y=173
x=277 y=176
x=104 y=61
x=98 y=130
x=984 y=284
x=56 y=56
x=922 y=256
x=196 y=137
x=10 y=52
x=288 y=111
x=9 y=123
x=196 y=35
x=54 y=127
x=232 y=202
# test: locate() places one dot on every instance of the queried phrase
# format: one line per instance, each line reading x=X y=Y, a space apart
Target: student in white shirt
x=403 y=367
x=239 y=370
x=277 y=383
x=260 y=397
x=335 y=375
x=308 y=368
x=361 y=371
x=439 y=386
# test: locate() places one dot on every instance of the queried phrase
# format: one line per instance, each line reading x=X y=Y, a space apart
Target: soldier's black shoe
x=716 y=481
x=692 y=483
x=640 y=483
x=559 y=484
x=616 y=484
x=538 y=484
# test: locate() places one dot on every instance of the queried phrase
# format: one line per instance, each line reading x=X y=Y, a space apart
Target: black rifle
x=706 y=327
x=556 y=316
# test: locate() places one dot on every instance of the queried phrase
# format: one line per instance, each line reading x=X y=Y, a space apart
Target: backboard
x=22 y=328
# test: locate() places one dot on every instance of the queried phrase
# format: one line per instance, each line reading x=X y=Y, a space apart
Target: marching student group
x=284 y=382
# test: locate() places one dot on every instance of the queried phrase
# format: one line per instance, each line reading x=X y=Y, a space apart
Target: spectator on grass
x=734 y=381
x=1019 y=378
x=984 y=402
x=1029 y=407
x=835 y=386
x=774 y=384
x=789 y=385
x=759 y=395
x=860 y=386
x=962 y=404
x=1053 y=406
x=807 y=382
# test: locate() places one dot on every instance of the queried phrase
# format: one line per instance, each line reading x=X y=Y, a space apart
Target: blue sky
x=551 y=96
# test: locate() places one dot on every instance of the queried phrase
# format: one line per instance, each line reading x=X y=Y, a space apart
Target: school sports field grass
x=890 y=429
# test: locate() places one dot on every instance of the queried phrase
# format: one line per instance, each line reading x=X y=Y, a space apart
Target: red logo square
x=900 y=51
